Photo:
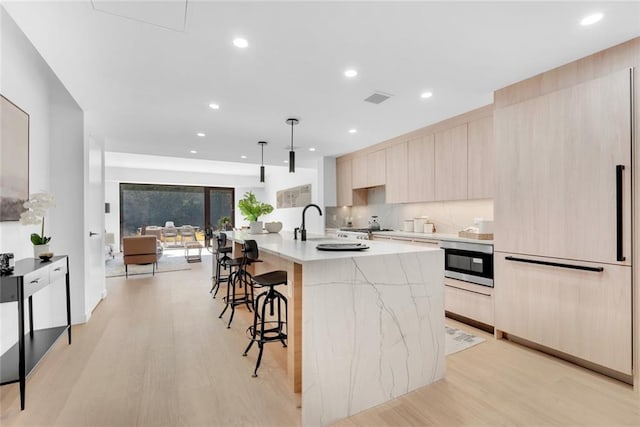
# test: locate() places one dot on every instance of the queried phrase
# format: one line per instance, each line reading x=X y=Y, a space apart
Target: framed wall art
x=14 y=160
x=294 y=197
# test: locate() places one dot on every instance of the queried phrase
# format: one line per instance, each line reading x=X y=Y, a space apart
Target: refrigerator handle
x=619 y=213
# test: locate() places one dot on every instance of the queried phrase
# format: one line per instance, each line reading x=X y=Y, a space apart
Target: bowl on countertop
x=273 y=227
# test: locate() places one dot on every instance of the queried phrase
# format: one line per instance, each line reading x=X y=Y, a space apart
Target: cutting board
x=477 y=236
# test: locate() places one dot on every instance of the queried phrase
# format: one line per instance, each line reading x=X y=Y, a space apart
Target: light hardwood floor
x=155 y=353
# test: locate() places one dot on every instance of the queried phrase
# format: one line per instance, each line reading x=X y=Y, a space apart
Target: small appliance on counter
x=373 y=224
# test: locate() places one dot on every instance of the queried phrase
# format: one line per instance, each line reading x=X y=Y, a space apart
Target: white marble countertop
x=298 y=251
x=431 y=236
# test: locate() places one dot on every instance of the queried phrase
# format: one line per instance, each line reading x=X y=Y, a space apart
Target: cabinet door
x=556 y=158
x=451 y=164
x=344 y=194
x=376 y=168
x=586 y=314
x=359 y=172
x=397 y=174
x=480 y=159
x=421 y=159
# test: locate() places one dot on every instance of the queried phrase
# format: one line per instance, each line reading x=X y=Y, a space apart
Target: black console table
x=31 y=275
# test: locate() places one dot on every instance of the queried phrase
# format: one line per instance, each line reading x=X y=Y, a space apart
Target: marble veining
x=373 y=329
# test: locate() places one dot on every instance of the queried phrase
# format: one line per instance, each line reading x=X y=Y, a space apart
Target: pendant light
x=262 y=144
x=292 y=154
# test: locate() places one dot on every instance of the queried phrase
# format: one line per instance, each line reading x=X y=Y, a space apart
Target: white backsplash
x=448 y=217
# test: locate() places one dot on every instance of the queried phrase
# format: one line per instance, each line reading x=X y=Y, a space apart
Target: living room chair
x=170 y=231
x=139 y=250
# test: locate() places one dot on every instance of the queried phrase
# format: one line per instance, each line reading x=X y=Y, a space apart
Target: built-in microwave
x=471 y=262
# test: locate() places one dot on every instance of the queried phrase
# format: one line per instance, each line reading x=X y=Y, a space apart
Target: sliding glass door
x=144 y=205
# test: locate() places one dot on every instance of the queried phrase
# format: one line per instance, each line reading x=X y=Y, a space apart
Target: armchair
x=139 y=250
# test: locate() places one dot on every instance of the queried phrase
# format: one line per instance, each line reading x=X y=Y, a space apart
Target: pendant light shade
x=262 y=144
x=292 y=154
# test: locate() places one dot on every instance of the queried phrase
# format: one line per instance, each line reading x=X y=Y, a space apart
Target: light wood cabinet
x=359 y=172
x=369 y=170
x=586 y=314
x=480 y=181
x=376 y=168
x=472 y=301
x=556 y=172
x=421 y=169
x=396 y=187
x=451 y=164
x=344 y=193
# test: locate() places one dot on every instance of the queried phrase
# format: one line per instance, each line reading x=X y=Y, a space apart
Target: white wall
x=55 y=165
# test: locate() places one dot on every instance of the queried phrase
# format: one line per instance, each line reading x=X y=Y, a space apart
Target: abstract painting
x=14 y=160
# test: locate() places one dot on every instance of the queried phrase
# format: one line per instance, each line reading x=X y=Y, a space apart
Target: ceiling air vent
x=378 y=97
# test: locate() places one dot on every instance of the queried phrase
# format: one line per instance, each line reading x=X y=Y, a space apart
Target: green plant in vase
x=252 y=210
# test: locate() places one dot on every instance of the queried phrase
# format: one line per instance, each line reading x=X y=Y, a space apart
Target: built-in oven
x=471 y=262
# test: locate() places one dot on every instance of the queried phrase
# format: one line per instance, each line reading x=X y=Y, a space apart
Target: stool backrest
x=251 y=250
x=221 y=240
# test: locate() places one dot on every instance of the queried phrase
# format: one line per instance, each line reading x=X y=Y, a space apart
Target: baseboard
x=571 y=359
x=470 y=322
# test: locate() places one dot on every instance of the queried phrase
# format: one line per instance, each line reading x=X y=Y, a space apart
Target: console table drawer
x=57 y=270
x=35 y=281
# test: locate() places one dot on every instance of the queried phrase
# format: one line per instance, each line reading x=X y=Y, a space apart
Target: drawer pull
x=555 y=264
x=34 y=281
x=58 y=269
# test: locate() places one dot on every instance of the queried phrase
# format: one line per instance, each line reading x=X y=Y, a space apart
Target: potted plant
x=37 y=206
x=252 y=209
x=223 y=222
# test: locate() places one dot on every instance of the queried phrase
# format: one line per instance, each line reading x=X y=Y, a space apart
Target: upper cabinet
x=344 y=194
x=451 y=163
x=449 y=160
x=368 y=170
x=480 y=181
x=421 y=169
x=376 y=168
x=396 y=189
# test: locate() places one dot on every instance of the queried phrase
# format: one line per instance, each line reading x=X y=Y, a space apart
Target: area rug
x=456 y=340
x=170 y=261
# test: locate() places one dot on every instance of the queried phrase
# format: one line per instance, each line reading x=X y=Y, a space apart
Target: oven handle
x=555 y=264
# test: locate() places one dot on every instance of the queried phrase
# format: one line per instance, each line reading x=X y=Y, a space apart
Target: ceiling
x=147 y=71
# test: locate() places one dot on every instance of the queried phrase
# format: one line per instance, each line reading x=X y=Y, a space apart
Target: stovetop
x=362 y=230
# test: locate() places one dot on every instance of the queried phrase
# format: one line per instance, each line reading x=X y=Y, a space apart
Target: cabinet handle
x=34 y=281
x=555 y=264
x=619 y=196
x=58 y=269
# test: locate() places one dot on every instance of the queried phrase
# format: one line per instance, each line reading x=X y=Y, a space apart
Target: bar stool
x=237 y=278
x=269 y=328
x=221 y=252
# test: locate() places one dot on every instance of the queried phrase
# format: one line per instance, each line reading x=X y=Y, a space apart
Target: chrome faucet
x=302 y=229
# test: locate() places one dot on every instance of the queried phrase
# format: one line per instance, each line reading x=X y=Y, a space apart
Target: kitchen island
x=364 y=326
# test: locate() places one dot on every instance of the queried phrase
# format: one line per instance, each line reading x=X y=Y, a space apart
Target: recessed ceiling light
x=350 y=73
x=200 y=134
x=312 y=149
x=240 y=42
x=591 y=19
x=243 y=157
x=214 y=106
x=425 y=95
x=193 y=152
x=353 y=130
